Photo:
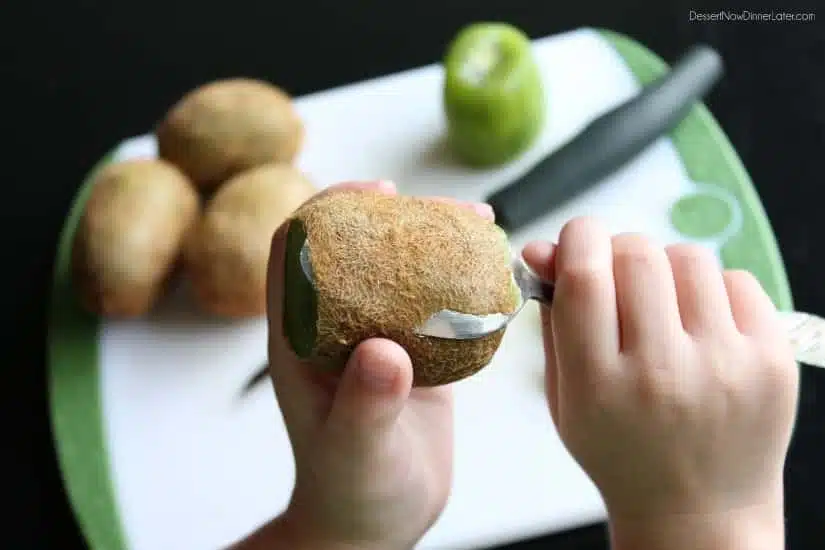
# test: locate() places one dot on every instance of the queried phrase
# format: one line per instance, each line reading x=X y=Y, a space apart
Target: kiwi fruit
x=380 y=266
x=225 y=127
x=225 y=258
x=130 y=234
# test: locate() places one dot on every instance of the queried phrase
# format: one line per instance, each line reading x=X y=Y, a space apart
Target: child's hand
x=672 y=384
x=373 y=457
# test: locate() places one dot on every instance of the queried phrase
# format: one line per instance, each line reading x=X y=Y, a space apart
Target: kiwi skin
x=226 y=254
x=228 y=126
x=382 y=265
x=130 y=234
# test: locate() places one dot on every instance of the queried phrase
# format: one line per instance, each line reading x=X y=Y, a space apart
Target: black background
x=78 y=76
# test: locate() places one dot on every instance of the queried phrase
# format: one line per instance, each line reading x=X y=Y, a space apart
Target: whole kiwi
x=130 y=234
x=225 y=127
x=226 y=255
x=381 y=265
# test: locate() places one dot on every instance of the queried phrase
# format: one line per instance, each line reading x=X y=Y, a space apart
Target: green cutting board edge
x=709 y=157
x=75 y=399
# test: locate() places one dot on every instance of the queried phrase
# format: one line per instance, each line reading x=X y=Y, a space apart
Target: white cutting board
x=195 y=469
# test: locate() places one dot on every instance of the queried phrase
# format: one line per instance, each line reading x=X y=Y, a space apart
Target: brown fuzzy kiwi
x=130 y=234
x=381 y=266
x=228 y=126
x=226 y=255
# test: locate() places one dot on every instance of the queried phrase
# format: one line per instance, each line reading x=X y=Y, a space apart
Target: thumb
x=371 y=394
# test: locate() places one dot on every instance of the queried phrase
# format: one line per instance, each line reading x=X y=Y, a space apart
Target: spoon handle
x=807 y=334
x=532 y=286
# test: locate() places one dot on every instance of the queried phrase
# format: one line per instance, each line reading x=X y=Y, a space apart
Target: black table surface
x=82 y=75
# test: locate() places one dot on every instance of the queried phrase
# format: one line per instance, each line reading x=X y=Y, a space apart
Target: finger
x=482 y=209
x=540 y=256
x=293 y=391
x=551 y=364
x=700 y=288
x=381 y=186
x=645 y=293
x=303 y=395
x=753 y=311
x=373 y=390
x=585 y=322
x=757 y=319
x=275 y=286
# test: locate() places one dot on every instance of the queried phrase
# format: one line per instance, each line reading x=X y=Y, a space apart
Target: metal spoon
x=805 y=330
x=453 y=325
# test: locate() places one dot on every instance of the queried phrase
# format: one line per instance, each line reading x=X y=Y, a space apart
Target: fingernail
x=584 y=245
x=544 y=249
x=539 y=256
x=483 y=209
x=376 y=376
x=386 y=185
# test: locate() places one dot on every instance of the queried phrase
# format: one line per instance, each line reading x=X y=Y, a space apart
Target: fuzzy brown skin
x=130 y=234
x=228 y=126
x=384 y=264
x=226 y=255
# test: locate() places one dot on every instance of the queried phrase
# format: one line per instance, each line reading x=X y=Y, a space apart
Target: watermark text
x=751 y=16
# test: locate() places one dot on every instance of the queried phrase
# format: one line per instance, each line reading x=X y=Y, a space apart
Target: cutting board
x=157 y=450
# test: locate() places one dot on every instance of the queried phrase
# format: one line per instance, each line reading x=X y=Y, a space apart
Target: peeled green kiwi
x=381 y=265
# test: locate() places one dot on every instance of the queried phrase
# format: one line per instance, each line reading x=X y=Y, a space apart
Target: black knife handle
x=608 y=142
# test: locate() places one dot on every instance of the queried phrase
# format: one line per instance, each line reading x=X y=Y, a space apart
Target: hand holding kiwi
x=380 y=266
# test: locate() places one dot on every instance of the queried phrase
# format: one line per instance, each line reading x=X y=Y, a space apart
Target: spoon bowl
x=464 y=326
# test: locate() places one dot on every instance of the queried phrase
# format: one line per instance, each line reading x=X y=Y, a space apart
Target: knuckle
x=690 y=255
x=724 y=377
x=582 y=279
x=631 y=244
x=779 y=368
x=718 y=358
x=633 y=251
x=662 y=385
x=601 y=397
x=660 y=392
x=740 y=277
x=652 y=377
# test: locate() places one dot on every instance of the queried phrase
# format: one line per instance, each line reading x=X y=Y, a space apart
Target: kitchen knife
x=609 y=142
